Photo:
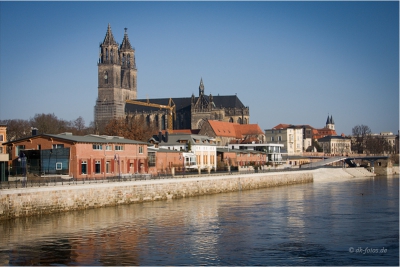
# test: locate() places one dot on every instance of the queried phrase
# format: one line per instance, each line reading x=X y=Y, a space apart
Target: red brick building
x=90 y=156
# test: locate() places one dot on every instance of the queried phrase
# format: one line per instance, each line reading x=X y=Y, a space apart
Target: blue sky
x=290 y=62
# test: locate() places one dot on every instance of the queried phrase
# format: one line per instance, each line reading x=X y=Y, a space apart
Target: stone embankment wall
x=34 y=201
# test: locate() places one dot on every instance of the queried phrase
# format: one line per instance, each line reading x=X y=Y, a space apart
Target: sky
x=289 y=62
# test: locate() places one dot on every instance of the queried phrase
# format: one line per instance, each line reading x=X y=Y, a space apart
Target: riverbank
x=45 y=200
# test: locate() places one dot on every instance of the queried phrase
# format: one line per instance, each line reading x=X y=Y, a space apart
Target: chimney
x=34 y=131
x=159 y=136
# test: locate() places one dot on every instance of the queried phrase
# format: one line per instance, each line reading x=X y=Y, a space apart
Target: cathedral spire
x=109 y=49
x=126 y=45
x=109 y=38
x=201 y=87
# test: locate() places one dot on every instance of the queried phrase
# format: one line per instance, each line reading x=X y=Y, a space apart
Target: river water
x=342 y=222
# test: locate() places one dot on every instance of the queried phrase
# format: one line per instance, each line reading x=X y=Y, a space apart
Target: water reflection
x=310 y=224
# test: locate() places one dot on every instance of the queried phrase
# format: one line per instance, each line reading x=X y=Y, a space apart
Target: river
x=332 y=222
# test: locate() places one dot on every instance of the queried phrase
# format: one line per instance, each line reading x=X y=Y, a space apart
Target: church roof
x=109 y=38
x=126 y=45
x=230 y=101
x=329 y=120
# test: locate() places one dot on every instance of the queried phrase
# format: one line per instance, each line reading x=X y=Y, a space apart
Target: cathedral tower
x=330 y=124
x=116 y=78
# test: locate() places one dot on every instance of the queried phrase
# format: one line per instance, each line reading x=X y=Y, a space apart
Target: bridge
x=347 y=159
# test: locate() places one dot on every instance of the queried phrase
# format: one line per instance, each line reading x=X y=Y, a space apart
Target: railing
x=48 y=181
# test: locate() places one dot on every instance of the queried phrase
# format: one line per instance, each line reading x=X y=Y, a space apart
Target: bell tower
x=128 y=69
x=116 y=78
x=330 y=124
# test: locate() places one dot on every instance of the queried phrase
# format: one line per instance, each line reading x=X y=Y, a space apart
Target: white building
x=337 y=145
x=289 y=135
x=202 y=147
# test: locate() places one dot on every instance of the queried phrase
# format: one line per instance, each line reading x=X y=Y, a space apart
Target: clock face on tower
x=105 y=77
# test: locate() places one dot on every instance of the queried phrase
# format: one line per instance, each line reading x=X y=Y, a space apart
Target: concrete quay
x=23 y=202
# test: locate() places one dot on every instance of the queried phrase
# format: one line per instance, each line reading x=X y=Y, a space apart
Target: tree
x=134 y=128
x=377 y=145
x=17 y=129
x=360 y=134
x=49 y=124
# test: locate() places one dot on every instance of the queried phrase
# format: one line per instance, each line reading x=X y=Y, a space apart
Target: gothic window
x=106 y=54
x=123 y=59
x=163 y=121
x=245 y=121
x=129 y=60
x=112 y=55
x=231 y=119
x=148 y=120
x=239 y=120
x=200 y=124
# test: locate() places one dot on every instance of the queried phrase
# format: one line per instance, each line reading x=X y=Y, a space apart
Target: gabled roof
x=222 y=128
x=178 y=139
x=68 y=137
x=186 y=102
x=235 y=130
x=281 y=126
x=247 y=129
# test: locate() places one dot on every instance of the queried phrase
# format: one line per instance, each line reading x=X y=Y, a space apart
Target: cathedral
x=117 y=95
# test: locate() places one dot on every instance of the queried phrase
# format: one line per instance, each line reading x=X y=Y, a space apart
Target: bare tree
x=377 y=145
x=360 y=133
x=49 y=123
x=134 y=128
x=17 y=129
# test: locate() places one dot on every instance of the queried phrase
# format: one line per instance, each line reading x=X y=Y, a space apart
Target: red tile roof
x=235 y=130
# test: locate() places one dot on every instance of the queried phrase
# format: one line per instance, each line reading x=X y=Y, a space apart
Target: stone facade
x=117 y=78
x=35 y=201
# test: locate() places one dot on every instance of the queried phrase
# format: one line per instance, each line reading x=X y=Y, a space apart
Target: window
x=58 y=166
x=152 y=159
x=84 y=167
x=108 y=147
x=279 y=138
x=107 y=167
x=97 y=166
x=272 y=139
x=1 y=138
x=141 y=150
x=18 y=149
x=119 y=147
x=55 y=146
x=97 y=147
